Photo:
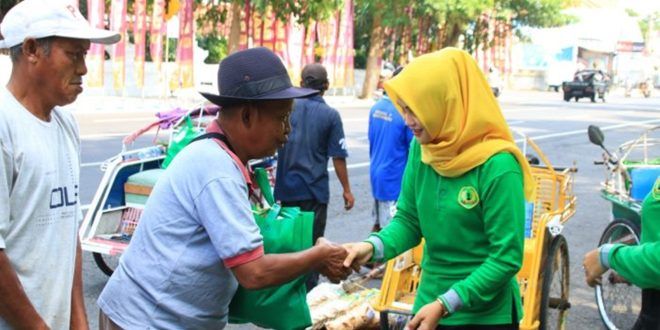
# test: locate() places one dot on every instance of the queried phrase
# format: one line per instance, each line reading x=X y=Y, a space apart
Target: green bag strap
x=290 y=212
x=276 y=210
x=273 y=212
x=261 y=177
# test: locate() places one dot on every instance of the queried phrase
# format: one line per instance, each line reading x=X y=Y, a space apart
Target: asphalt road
x=558 y=127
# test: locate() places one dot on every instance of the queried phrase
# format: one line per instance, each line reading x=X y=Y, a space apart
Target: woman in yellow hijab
x=463 y=191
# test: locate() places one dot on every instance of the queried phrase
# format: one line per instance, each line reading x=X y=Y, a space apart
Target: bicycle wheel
x=106 y=263
x=619 y=302
x=554 y=293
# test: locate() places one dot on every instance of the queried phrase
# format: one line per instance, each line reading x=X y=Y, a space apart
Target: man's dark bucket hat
x=254 y=74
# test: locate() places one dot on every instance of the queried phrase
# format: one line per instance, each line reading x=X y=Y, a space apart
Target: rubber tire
x=102 y=264
x=576 y=99
x=633 y=228
x=593 y=98
x=556 y=263
x=567 y=97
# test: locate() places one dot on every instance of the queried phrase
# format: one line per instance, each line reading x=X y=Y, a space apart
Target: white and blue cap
x=49 y=18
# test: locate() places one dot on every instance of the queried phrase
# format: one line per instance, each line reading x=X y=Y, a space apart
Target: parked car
x=587 y=83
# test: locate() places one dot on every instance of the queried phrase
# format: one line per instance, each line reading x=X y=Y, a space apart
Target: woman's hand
x=358 y=254
x=427 y=317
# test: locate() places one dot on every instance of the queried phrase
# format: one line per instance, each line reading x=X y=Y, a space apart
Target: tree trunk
x=452 y=37
x=235 y=29
x=391 y=35
x=372 y=73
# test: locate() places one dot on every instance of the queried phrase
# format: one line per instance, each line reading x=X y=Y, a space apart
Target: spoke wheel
x=106 y=263
x=554 y=294
x=619 y=302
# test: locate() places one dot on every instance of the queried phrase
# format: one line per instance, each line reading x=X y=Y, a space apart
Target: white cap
x=41 y=18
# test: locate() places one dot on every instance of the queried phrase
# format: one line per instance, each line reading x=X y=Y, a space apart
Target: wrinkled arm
x=342 y=174
x=275 y=269
x=15 y=307
x=78 y=315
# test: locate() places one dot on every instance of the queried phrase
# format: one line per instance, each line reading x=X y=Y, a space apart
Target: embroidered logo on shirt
x=656 y=189
x=342 y=143
x=468 y=197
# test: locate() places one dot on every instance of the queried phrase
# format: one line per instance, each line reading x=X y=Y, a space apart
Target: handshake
x=338 y=261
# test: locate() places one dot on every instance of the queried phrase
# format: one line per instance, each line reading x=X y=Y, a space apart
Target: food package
x=362 y=316
x=333 y=308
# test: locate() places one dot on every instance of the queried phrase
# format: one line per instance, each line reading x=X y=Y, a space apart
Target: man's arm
x=274 y=269
x=15 y=307
x=78 y=315
x=342 y=175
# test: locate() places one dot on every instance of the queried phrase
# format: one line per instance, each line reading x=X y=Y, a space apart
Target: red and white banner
x=96 y=54
x=118 y=24
x=183 y=76
x=139 y=34
x=157 y=32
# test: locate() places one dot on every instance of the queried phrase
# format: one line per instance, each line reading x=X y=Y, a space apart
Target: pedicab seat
x=139 y=185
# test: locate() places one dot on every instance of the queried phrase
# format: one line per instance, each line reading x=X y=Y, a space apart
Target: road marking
x=354 y=120
x=115 y=120
x=91 y=164
x=349 y=166
x=104 y=135
x=537 y=138
x=583 y=131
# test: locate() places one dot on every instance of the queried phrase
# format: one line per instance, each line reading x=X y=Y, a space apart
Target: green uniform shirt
x=640 y=264
x=473 y=226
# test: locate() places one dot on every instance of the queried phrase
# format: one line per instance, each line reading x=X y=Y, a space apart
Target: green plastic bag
x=181 y=139
x=284 y=230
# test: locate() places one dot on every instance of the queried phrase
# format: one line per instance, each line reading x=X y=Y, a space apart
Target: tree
x=647 y=24
x=370 y=38
x=305 y=12
x=426 y=25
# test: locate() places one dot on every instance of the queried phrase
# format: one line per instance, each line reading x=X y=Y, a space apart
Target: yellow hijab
x=450 y=96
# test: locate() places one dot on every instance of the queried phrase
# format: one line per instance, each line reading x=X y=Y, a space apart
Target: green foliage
x=305 y=11
x=535 y=13
x=216 y=46
x=645 y=22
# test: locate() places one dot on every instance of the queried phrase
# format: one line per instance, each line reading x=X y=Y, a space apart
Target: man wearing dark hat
x=197 y=238
x=40 y=256
x=316 y=135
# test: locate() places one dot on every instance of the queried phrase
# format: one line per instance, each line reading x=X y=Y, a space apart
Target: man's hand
x=349 y=200
x=358 y=254
x=428 y=316
x=592 y=267
x=332 y=265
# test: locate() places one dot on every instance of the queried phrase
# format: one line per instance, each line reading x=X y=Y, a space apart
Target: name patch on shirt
x=468 y=197
x=382 y=115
